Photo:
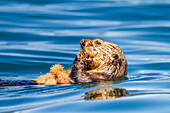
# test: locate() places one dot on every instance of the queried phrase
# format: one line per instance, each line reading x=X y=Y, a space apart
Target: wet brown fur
x=111 y=63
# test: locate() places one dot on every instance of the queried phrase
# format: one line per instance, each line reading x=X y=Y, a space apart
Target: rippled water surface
x=35 y=34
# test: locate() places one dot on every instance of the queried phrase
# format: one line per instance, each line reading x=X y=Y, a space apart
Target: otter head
x=101 y=60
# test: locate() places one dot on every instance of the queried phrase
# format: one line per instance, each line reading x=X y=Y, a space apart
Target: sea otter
x=98 y=61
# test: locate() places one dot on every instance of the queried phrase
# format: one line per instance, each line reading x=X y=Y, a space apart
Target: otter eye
x=98 y=43
x=83 y=44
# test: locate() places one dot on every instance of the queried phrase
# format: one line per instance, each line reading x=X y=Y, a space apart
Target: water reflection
x=106 y=93
x=103 y=84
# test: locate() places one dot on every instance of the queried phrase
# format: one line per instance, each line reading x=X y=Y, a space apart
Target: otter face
x=99 y=61
x=100 y=55
x=93 y=56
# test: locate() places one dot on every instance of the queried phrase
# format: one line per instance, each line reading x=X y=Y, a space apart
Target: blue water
x=36 y=34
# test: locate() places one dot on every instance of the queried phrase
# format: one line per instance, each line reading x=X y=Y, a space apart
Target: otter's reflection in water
x=106 y=93
x=103 y=84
